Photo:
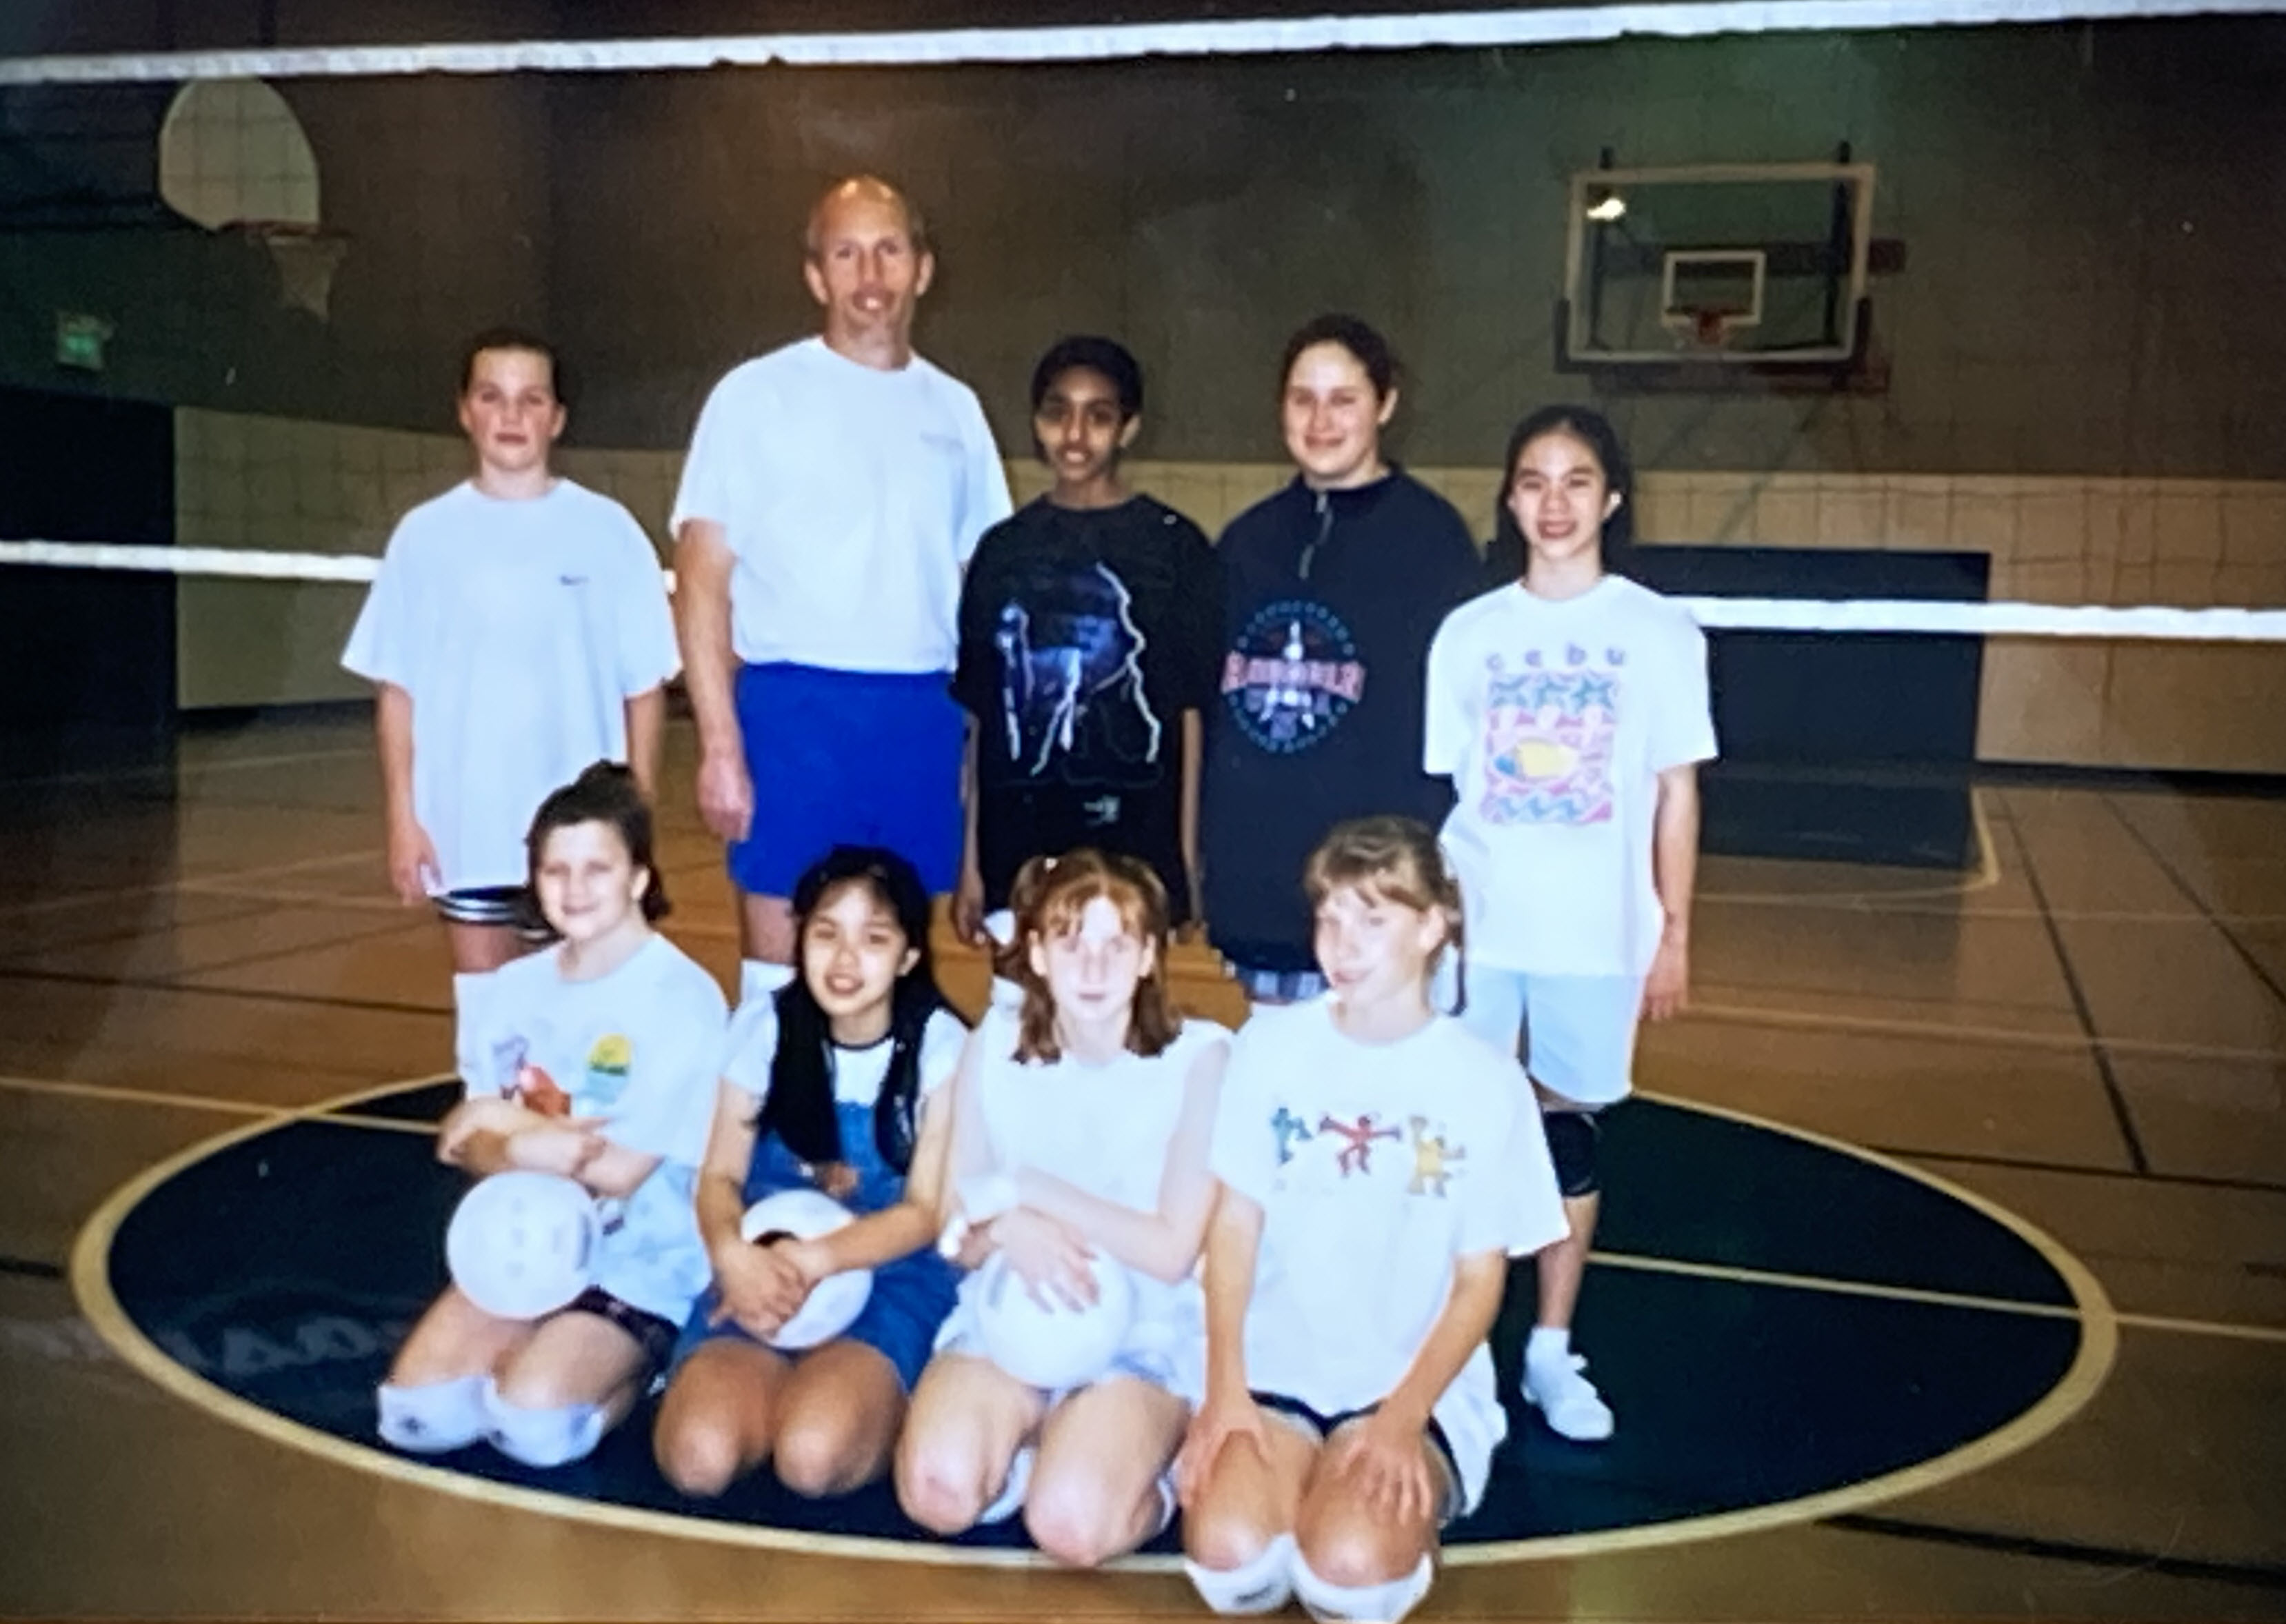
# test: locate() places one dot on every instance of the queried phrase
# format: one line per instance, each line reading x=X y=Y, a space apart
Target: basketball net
x=306 y=258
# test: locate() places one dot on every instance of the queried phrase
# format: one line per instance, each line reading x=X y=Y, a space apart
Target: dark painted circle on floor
x=284 y=1266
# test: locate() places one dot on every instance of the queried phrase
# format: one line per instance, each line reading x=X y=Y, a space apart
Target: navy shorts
x=848 y=758
x=909 y=1300
x=1308 y=1418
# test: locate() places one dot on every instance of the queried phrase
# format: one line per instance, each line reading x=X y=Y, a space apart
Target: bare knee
x=1079 y=1527
x=1224 y=1542
x=700 y=1457
x=816 y=1458
x=540 y=1384
x=942 y=1491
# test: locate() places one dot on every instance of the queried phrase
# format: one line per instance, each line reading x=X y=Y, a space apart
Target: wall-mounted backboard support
x=1755 y=269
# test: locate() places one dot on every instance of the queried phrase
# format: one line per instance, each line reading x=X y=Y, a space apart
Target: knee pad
x=543 y=1437
x=434 y=1417
x=1381 y=1604
x=1263 y=1585
x=1572 y=1137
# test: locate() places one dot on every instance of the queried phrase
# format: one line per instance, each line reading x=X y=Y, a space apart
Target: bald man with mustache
x=834 y=491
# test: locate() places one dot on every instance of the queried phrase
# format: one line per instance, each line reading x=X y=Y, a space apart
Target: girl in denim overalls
x=829 y=1084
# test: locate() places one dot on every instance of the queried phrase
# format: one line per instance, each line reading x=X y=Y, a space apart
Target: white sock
x=1547 y=1344
x=1383 y=1604
x=758 y=978
x=1263 y=1585
x=472 y=1051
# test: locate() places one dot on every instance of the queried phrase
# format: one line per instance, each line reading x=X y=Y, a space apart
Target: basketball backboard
x=1762 y=266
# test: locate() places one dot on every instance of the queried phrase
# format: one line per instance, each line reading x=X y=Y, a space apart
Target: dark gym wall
x=2092 y=218
x=440 y=182
x=2090 y=283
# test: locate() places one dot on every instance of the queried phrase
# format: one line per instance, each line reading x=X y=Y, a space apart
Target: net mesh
x=272 y=259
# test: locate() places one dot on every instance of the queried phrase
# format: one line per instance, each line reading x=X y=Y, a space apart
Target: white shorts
x=1575 y=1033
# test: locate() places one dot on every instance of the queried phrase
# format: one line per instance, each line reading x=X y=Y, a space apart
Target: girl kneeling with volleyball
x=1080 y=1195
x=577 y=1256
x=818 y=1200
x=1379 y=1164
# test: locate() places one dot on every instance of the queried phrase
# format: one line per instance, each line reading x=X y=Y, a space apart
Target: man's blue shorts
x=848 y=758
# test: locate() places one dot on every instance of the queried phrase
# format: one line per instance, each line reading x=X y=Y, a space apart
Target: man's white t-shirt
x=1554 y=719
x=853 y=498
x=520 y=629
x=1378 y=1167
x=637 y=1047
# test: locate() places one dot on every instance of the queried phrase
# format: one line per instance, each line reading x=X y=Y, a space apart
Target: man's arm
x=1674 y=871
x=703 y=562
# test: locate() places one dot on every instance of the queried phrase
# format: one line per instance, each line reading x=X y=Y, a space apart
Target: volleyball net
x=1938 y=332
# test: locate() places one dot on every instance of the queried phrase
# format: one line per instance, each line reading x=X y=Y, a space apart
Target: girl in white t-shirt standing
x=1081 y=1135
x=833 y=1082
x=518 y=629
x=599 y=1059
x=1379 y=1166
x=1571 y=709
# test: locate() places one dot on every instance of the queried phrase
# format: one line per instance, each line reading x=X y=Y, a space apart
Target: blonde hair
x=1048 y=896
x=1394 y=858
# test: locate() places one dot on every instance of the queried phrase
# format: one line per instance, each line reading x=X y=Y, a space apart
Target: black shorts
x=654 y=1335
x=1316 y=1420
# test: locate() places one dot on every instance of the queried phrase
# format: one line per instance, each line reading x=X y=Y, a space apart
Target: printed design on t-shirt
x=608 y=1062
x=1356 y=1153
x=527 y=1082
x=1550 y=731
x=1293 y=675
x=1432 y=1161
x=1291 y=1129
x=1072 y=703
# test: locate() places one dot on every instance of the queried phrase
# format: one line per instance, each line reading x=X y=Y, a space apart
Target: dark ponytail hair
x=800 y=1108
x=604 y=793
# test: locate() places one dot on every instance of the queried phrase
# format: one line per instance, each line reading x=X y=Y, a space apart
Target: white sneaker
x=1567 y=1399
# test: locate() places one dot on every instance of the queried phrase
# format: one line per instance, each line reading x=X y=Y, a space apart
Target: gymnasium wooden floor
x=2090 y=1033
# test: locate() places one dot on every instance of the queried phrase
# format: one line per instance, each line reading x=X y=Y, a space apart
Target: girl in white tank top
x=1082 y=1126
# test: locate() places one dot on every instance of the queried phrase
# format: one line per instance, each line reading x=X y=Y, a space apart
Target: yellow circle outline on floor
x=2099 y=1344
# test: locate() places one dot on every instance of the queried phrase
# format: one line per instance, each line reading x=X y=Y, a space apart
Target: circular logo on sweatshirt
x=1293 y=675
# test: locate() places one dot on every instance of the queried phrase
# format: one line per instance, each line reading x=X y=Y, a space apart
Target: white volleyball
x=1055 y=1346
x=521 y=1244
x=835 y=1302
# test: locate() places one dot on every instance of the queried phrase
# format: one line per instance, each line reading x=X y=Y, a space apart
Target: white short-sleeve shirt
x=1377 y=1166
x=858 y=1073
x=852 y=498
x=638 y=1048
x=1105 y=1128
x=520 y=629
x=1554 y=719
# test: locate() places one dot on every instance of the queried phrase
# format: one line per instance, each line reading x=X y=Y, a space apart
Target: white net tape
x=1853 y=615
x=1238 y=36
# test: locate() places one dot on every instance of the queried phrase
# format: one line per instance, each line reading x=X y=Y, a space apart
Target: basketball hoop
x=306 y=258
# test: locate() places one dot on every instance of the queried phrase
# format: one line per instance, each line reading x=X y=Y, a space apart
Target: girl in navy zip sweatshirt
x=1332 y=587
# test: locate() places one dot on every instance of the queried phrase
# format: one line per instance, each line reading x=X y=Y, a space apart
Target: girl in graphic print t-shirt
x=1379 y=1166
x=1570 y=708
x=597 y=1062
